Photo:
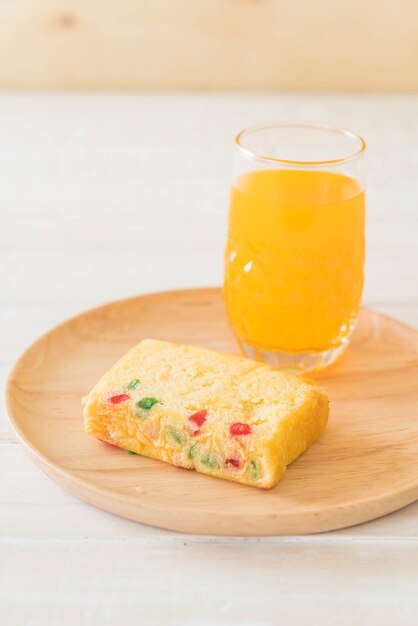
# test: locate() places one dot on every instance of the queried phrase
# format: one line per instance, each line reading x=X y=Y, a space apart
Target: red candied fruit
x=199 y=418
x=239 y=428
x=120 y=398
x=233 y=462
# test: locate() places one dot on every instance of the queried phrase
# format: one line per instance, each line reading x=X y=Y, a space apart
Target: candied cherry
x=239 y=428
x=199 y=418
x=119 y=398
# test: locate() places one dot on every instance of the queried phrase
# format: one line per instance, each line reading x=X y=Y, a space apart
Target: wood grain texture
x=33 y=506
x=365 y=465
x=247 y=583
x=249 y=44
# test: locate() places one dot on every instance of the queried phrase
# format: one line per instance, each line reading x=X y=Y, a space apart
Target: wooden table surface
x=104 y=196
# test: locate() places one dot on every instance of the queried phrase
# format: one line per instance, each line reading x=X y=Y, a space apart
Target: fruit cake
x=221 y=415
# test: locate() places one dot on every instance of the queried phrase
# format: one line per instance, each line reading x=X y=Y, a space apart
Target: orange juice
x=294 y=259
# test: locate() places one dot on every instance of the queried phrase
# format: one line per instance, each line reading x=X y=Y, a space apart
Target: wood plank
x=209 y=44
x=205 y=583
x=391 y=253
x=79 y=157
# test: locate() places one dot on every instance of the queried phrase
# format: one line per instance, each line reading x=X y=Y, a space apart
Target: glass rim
x=260 y=157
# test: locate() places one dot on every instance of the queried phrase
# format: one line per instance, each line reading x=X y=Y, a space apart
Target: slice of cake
x=221 y=415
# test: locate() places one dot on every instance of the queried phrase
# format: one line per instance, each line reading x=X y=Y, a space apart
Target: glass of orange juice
x=295 y=252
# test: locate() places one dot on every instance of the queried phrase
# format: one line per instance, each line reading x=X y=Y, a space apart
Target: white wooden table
x=105 y=196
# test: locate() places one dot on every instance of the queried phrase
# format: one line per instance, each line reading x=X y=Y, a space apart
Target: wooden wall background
x=251 y=44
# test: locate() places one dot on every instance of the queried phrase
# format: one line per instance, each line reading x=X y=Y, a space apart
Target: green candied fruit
x=131 y=452
x=147 y=403
x=253 y=469
x=134 y=383
x=192 y=451
x=176 y=435
x=211 y=460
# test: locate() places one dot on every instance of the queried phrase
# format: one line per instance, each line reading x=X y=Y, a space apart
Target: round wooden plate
x=365 y=465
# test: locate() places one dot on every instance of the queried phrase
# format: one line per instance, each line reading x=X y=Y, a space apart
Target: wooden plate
x=364 y=466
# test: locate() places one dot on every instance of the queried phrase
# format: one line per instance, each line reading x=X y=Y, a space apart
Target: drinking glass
x=295 y=251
